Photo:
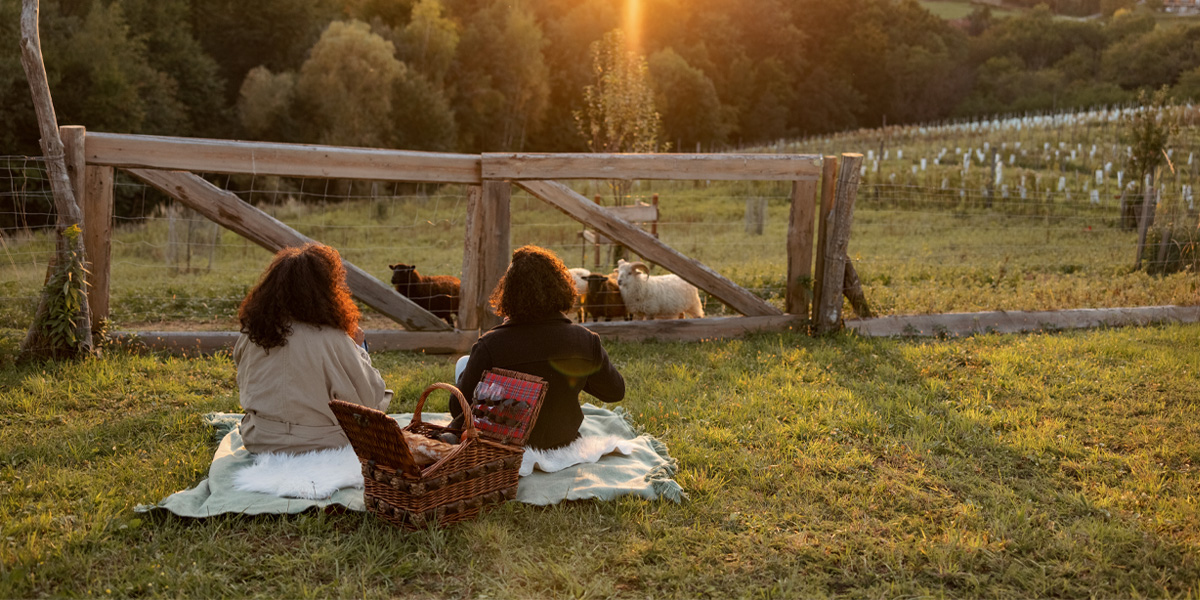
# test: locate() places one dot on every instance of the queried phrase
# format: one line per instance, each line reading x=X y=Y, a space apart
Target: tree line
x=492 y=75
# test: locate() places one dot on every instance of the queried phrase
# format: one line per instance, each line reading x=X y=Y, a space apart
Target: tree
x=105 y=82
x=429 y=41
x=421 y=115
x=242 y=35
x=571 y=26
x=1148 y=131
x=503 y=82
x=265 y=104
x=346 y=86
x=172 y=49
x=1152 y=60
x=62 y=326
x=691 y=110
x=619 y=113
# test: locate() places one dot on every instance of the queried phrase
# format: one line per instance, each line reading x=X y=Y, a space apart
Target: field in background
x=956 y=9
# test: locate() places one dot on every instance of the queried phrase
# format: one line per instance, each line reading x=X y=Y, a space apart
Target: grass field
x=953 y=9
x=1048 y=465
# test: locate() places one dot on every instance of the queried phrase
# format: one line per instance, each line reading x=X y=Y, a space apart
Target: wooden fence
x=168 y=163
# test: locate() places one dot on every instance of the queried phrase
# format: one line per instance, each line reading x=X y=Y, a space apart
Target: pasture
x=930 y=256
x=1002 y=466
x=959 y=9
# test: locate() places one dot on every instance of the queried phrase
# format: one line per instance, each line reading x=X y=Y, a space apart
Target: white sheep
x=657 y=297
x=579 y=277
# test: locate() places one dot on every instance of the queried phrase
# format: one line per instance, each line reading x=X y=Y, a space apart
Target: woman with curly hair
x=537 y=338
x=301 y=346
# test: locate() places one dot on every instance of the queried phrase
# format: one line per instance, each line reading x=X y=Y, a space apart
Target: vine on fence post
x=62 y=325
x=59 y=332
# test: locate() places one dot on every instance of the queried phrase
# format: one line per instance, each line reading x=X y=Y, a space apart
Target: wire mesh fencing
x=919 y=247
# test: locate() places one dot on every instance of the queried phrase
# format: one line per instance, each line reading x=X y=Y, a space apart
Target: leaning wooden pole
x=828 y=313
x=42 y=340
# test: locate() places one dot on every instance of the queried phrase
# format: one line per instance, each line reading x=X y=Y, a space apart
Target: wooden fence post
x=486 y=252
x=76 y=162
x=837 y=241
x=828 y=196
x=800 y=248
x=756 y=215
x=97 y=238
x=93 y=188
x=1146 y=218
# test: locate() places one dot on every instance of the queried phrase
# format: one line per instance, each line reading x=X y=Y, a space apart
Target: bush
x=1183 y=250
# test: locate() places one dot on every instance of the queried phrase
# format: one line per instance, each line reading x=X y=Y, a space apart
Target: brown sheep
x=438 y=294
x=603 y=298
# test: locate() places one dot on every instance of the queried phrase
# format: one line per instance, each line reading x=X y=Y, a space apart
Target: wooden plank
x=585 y=211
x=960 y=324
x=73 y=154
x=486 y=252
x=695 y=330
x=471 y=304
x=290 y=160
x=827 y=317
x=800 y=247
x=725 y=167
x=257 y=226
x=208 y=342
x=852 y=290
x=97 y=238
x=825 y=213
x=636 y=213
x=639 y=213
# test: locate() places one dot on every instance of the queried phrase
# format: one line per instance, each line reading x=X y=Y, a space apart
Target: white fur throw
x=586 y=449
x=312 y=475
x=317 y=475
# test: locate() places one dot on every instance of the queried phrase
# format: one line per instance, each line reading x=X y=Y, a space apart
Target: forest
x=491 y=75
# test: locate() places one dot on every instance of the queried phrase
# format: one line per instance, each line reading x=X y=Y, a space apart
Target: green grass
x=958 y=9
x=1060 y=465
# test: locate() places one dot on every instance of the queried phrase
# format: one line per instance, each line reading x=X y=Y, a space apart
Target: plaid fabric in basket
x=510 y=421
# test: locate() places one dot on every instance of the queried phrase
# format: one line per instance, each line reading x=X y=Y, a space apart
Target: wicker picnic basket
x=480 y=473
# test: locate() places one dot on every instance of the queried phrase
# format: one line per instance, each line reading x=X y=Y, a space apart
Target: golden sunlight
x=633 y=25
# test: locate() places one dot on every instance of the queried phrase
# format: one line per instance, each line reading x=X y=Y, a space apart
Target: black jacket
x=569 y=357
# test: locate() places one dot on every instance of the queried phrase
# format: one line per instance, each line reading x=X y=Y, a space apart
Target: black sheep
x=603 y=298
x=438 y=294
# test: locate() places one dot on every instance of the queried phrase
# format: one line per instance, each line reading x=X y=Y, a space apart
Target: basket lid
x=375 y=436
x=506 y=404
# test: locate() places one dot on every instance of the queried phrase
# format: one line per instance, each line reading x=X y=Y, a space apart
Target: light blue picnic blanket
x=646 y=472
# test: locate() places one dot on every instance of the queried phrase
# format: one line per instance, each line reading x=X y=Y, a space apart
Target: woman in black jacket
x=537 y=338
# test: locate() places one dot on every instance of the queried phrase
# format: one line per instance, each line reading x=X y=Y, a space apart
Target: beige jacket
x=285 y=392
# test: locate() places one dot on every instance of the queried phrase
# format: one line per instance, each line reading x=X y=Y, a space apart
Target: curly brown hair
x=536 y=285
x=306 y=285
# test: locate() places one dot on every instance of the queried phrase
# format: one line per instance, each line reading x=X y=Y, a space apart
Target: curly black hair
x=536 y=285
x=306 y=285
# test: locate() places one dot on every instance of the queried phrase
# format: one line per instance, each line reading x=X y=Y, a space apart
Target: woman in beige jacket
x=301 y=346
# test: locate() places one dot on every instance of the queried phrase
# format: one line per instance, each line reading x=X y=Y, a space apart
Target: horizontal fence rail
x=264 y=158
x=714 y=167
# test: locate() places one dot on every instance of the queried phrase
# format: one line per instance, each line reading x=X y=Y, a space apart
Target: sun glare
x=633 y=24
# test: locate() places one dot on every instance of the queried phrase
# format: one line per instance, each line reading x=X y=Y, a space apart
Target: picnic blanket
x=646 y=471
